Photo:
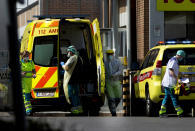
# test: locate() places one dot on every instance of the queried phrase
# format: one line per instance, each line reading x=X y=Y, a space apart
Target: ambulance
x=147 y=92
x=47 y=39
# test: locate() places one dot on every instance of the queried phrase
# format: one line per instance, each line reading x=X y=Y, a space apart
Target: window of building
x=179 y=25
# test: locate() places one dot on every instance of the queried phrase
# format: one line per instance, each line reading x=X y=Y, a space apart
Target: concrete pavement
x=65 y=123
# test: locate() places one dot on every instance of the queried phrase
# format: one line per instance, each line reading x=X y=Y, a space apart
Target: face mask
x=26 y=58
x=110 y=57
x=180 y=59
x=68 y=54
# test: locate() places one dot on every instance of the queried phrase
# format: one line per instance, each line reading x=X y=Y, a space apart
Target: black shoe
x=113 y=114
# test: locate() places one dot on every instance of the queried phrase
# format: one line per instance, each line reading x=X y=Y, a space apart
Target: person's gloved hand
x=62 y=63
x=179 y=81
x=34 y=76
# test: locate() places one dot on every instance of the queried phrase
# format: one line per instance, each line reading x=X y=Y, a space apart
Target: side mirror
x=135 y=66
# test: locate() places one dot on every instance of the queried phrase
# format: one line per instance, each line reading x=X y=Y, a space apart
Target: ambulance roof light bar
x=175 y=42
x=61 y=16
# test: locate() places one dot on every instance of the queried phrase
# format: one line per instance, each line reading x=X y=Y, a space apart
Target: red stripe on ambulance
x=144 y=76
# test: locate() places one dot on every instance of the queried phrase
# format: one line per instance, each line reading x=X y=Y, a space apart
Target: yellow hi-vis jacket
x=27 y=67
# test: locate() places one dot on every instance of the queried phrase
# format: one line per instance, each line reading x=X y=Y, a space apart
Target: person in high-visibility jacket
x=169 y=83
x=28 y=72
x=113 y=70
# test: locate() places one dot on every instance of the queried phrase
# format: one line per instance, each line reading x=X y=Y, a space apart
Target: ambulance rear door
x=44 y=55
x=99 y=56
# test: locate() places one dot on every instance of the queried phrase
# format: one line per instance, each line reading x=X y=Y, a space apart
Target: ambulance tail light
x=158 y=70
x=159 y=64
x=135 y=79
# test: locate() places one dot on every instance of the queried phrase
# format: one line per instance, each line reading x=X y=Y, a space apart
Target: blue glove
x=62 y=63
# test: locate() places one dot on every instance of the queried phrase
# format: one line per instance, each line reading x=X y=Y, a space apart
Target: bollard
x=125 y=90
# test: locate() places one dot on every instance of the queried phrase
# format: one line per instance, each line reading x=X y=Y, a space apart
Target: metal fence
x=5 y=81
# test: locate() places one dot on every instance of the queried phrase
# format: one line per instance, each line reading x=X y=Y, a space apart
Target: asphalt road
x=119 y=123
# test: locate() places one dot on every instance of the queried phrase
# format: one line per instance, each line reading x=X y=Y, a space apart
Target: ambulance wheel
x=151 y=109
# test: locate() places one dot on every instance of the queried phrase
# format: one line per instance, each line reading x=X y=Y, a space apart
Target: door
x=99 y=56
x=45 y=85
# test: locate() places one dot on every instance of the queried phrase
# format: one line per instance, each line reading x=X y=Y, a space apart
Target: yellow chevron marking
x=52 y=80
x=39 y=75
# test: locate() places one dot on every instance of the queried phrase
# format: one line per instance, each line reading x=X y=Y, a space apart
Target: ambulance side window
x=153 y=56
x=150 y=58
x=145 y=63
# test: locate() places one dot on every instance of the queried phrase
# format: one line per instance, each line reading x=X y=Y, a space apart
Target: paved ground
x=121 y=124
x=61 y=121
x=172 y=123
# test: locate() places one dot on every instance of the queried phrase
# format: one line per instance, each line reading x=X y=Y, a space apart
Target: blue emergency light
x=171 y=42
x=180 y=42
x=187 y=42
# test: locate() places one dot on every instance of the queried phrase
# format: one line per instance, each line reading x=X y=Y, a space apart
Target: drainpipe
x=129 y=33
x=105 y=18
x=115 y=26
x=79 y=10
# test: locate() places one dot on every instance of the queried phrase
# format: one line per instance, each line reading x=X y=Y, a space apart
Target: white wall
x=21 y=31
x=123 y=19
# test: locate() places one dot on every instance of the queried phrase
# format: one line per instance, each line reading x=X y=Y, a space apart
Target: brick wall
x=122 y=6
x=50 y=7
x=26 y=15
x=142 y=25
x=91 y=7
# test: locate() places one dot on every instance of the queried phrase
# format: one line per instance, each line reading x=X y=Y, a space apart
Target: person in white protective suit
x=113 y=70
x=70 y=83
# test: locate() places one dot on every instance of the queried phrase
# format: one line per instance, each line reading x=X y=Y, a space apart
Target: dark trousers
x=113 y=103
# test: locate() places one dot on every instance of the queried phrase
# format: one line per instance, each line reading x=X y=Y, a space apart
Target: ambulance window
x=45 y=51
x=144 y=65
x=153 y=56
x=188 y=60
x=150 y=58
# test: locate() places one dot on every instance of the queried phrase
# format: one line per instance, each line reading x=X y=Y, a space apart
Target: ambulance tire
x=151 y=107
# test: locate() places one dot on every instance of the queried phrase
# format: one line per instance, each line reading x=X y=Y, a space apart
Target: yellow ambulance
x=47 y=40
x=147 y=91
